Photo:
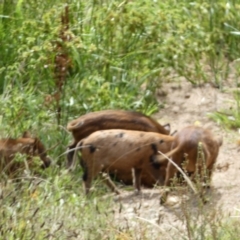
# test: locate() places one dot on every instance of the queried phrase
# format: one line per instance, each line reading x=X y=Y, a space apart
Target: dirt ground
x=184 y=106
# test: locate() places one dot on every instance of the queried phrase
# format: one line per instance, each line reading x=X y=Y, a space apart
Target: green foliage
x=229 y=229
x=49 y=208
x=119 y=52
x=229 y=118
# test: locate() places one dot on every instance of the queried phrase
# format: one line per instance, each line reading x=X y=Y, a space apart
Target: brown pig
x=110 y=119
x=119 y=150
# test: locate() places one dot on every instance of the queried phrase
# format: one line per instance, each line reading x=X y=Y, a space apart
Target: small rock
x=162 y=93
x=222 y=167
x=172 y=201
x=176 y=109
x=146 y=205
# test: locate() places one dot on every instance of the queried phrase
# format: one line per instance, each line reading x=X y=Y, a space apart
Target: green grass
x=229 y=118
x=119 y=53
x=53 y=208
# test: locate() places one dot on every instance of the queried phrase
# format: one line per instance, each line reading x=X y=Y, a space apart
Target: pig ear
x=26 y=134
x=167 y=127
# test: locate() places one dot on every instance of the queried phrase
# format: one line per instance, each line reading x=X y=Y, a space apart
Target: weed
x=59 y=61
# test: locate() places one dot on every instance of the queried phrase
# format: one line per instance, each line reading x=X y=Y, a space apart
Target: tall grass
x=49 y=208
x=115 y=48
x=119 y=52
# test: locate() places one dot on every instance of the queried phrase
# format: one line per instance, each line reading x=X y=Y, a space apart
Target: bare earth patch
x=143 y=213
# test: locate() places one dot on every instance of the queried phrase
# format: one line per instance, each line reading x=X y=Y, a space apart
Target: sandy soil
x=143 y=213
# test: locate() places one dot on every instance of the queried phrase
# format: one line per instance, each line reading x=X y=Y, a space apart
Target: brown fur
x=187 y=144
x=24 y=145
x=121 y=151
x=110 y=119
